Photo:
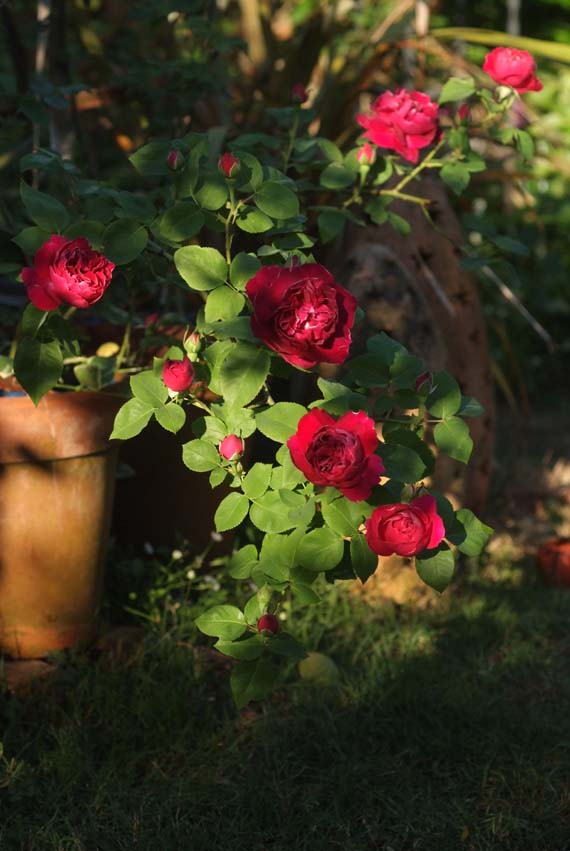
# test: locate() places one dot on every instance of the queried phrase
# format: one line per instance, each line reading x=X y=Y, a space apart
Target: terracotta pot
x=554 y=562
x=57 y=476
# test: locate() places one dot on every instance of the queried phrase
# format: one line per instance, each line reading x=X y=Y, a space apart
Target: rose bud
x=299 y=93
x=151 y=320
x=229 y=165
x=302 y=313
x=403 y=121
x=366 y=154
x=463 y=112
x=192 y=344
x=424 y=382
x=268 y=623
x=178 y=375
x=405 y=529
x=67 y=271
x=511 y=67
x=338 y=453
x=175 y=159
x=231 y=447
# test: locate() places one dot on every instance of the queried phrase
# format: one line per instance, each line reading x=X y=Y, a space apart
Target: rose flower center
x=334 y=450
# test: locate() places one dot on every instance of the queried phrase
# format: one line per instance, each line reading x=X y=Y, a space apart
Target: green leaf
x=131 y=419
x=252 y=681
x=384 y=348
x=436 y=570
x=470 y=407
x=337 y=176
x=456 y=175
x=445 y=397
x=223 y=303
x=231 y=511
x=201 y=268
x=242 y=562
x=319 y=550
x=213 y=193
x=304 y=593
x=245 y=650
x=452 y=437
x=399 y=223
x=124 y=240
x=92 y=231
x=457 y=88
x=402 y=463
x=243 y=373
x=171 y=417
x=38 y=366
x=149 y=387
x=472 y=538
x=225 y=622
x=284 y=644
x=342 y=516
x=405 y=437
x=47 y=212
x=364 y=561
x=276 y=200
x=214 y=356
x=513 y=246
x=200 y=456
x=525 y=144
x=280 y=421
x=251 y=220
x=150 y=160
x=180 y=222
x=331 y=224
x=30 y=239
x=257 y=605
x=243 y=268
x=368 y=371
x=269 y=514
x=257 y=480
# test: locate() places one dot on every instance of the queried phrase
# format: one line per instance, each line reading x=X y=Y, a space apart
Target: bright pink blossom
x=402 y=121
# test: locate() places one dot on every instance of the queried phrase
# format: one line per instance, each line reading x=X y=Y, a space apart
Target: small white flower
x=282 y=616
x=177 y=555
x=216 y=537
x=190 y=574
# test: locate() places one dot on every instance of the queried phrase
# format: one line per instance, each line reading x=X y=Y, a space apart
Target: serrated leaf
x=280 y=421
x=242 y=269
x=452 y=437
x=226 y=622
x=342 y=516
x=252 y=681
x=436 y=570
x=364 y=561
x=245 y=650
x=473 y=535
x=124 y=240
x=47 y=212
x=231 y=511
x=320 y=550
x=200 y=456
x=337 y=176
x=149 y=387
x=242 y=562
x=202 y=268
x=243 y=373
x=38 y=366
x=223 y=303
x=445 y=398
x=180 y=222
x=457 y=88
x=257 y=480
x=269 y=513
x=171 y=417
x=131 y=419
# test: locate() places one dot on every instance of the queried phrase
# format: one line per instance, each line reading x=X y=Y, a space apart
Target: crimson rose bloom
x=338 y=453
x=302 y=313
x=68 y=271
x=178 y=375
x=403 y=121
x=511 y=67
x=403 y=529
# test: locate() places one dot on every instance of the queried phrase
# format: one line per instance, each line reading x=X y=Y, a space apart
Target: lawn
x=449 y=729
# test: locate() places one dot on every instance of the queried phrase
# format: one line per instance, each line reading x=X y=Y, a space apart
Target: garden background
x=428 y=722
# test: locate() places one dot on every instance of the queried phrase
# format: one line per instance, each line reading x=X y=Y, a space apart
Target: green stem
x=419 y=168
x=292 y=137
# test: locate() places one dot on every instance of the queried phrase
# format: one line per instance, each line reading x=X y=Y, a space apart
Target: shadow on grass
x=450 y=731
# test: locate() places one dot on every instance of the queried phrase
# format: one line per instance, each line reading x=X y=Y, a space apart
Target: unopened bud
x=268 y=624
x=299 y=93
x=175 y=159
x=366 y=154
x=231 y=447
x=229 y=165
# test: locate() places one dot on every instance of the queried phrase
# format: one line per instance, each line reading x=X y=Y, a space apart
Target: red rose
x=511 y=67
x=231 y=447
x=299 y=93
x=302 y=313
x=338 y=453
x=229 y=165
x=68 y=271
x=178 y=375
x=403 y=529
x=175 y=160
x=268 y=623
x=403 y=121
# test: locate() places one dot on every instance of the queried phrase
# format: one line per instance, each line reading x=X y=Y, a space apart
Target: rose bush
x=243 y=230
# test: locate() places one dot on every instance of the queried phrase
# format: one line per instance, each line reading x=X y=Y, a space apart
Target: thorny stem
x=420 y=167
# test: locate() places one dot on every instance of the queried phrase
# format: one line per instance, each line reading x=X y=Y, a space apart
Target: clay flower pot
x=554 y=562
x=57 y=477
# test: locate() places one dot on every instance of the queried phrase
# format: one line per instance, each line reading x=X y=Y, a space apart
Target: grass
x=450 y=729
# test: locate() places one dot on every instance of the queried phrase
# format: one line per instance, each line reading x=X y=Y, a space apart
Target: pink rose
x=338 y=453
x=302 y=313
x=404 y=529
x=511 y=67
x=178 y=375
x=402 y=121
x=268 y=623
x=229 y=165
x=299 y=93
x=231 y=447
x=67 y=271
